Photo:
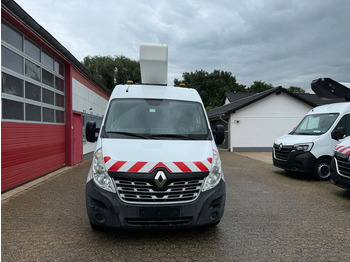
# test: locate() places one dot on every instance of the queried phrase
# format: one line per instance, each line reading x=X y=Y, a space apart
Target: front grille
x=342 y=164
x=283 y=153
x=143 y=191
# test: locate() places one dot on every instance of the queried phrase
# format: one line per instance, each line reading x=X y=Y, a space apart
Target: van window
x=156 y=119
x=315 y=124
x=345 y=122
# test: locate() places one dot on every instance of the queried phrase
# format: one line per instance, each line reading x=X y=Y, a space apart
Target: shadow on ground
x=295 y=175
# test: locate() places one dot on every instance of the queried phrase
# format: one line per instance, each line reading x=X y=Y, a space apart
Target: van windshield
x=155 y=119
x=317 y=124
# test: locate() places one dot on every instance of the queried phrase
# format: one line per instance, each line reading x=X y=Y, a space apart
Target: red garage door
x=29 y=151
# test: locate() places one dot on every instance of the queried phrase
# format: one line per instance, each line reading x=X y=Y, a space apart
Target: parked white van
x=309 y=147
x=156 y=163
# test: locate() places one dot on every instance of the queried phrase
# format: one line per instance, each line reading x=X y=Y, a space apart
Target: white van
x=309 y=147
x=156 y=163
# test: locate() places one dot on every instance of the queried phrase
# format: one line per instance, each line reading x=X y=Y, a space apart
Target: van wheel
x=322 y=169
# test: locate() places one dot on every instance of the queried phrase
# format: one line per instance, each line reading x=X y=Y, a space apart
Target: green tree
x=102 y=68
x=295 y=89
x=113 y=71
x=126 y=69
x=259 y=86
x=211 y=86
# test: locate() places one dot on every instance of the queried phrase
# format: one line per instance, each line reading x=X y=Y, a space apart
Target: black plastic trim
x=149 y=176
x=107 y=210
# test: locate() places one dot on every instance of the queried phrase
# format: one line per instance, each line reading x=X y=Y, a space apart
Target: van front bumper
x=106 y=209
x=298 y=161
x=337 y=179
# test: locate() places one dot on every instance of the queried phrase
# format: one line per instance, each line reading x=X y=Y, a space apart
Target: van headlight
x=99 y=173
x=303 y=147
x=215 y=173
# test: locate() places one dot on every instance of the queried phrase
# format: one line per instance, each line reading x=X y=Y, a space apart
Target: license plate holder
x=160 y=212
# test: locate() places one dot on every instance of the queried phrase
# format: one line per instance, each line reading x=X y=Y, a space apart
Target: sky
x=283 y=43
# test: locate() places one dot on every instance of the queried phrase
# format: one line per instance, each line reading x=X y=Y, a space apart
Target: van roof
x=155 y=92
x=331 y=108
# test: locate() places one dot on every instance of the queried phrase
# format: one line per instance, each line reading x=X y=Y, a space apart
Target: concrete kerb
x=5 y=197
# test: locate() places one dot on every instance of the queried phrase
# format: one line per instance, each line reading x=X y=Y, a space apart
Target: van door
x=343 y=122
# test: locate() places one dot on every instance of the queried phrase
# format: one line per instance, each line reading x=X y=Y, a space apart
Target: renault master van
x=309 y=147
x=156 y=163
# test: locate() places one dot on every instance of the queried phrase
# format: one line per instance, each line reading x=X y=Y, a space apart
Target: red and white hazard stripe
x=338 y=147
x=343 y=149
x=148 y=167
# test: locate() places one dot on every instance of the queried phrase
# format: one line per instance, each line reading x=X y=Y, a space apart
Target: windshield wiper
x=172 y=136
x=129 y=134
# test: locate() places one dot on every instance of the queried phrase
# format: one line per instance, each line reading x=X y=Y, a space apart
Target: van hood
x=143 y=156
x=290 y=140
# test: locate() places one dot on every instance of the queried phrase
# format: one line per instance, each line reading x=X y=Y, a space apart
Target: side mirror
x=90 y=131
x=338 y=133
x=219 y=134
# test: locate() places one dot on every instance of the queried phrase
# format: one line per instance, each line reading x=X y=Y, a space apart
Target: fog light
x=100 y=218
x=214 y=215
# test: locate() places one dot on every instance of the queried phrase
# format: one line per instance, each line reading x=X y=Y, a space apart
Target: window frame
x=26 y=79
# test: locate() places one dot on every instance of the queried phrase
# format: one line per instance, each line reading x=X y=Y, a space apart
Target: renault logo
x=160 y=179
x=280 y=147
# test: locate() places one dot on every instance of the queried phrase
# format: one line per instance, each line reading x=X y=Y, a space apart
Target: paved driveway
x=269 y=216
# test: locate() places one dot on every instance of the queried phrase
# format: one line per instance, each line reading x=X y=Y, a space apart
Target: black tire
x=322 y=169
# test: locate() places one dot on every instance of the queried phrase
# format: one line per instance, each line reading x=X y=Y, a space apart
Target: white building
x=254 y=120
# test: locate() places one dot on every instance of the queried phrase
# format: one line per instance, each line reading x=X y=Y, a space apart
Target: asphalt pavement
x=270 y=215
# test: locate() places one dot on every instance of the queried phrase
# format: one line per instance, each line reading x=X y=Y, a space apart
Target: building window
x=59 y=100
x=11 y=36
x=48 y=114
x=59 y=84
x=12 y=85
x=48 y=97
x=33 y=113
x=33 y=92
x=59 y=116
x=33 y=81
x=59 y=68
x=47 y=60
x=12 y=109
x=32 y=50
x=48 y=78
x=11 y=60
x=33 y=71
